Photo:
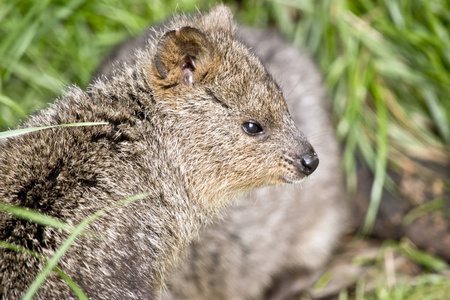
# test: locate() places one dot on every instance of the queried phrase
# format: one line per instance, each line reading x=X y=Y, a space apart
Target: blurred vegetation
x=49 y=44
x=386 y=64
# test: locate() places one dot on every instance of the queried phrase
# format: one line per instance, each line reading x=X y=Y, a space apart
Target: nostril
x=307 y=163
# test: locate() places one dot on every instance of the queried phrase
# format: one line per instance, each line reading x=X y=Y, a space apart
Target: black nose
x=307 y=163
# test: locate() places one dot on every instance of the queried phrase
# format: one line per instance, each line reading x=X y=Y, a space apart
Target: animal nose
x=307 y=163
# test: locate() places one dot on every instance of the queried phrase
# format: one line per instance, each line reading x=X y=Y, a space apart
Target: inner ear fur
x=183 y=55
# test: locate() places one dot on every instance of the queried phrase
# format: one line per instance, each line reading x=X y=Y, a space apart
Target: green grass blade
x=380 y=162
x=427 y=260
x=437 y=112
x=437 y=204
x=16 y=132
x=20 y=249
x=10 y=103
x=38 y=78
x=36 y=217
x=75 y=288
x=51 y=264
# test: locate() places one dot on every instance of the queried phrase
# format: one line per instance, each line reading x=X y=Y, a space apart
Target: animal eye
x=252 y=128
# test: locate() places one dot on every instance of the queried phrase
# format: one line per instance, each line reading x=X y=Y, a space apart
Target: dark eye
x=252 y=128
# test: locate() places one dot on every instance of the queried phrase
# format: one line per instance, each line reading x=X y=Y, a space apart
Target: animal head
x=229 y=117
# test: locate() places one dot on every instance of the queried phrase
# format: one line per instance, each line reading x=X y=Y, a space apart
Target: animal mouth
x=290 y=180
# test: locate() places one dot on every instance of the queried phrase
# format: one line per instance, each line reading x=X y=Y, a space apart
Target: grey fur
x=180 y=142
x=273 y=232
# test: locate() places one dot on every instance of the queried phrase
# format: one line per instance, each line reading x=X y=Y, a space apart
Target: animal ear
x=183 y=55
x=219 y=17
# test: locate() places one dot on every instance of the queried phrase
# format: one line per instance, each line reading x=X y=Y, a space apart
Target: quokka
x=272 y=243
x=195 y=121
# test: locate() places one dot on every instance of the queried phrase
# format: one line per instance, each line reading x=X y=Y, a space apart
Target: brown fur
x=175 y=131
x=274 y=233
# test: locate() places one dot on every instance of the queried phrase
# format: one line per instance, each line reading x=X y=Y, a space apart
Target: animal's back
x=68 y=174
